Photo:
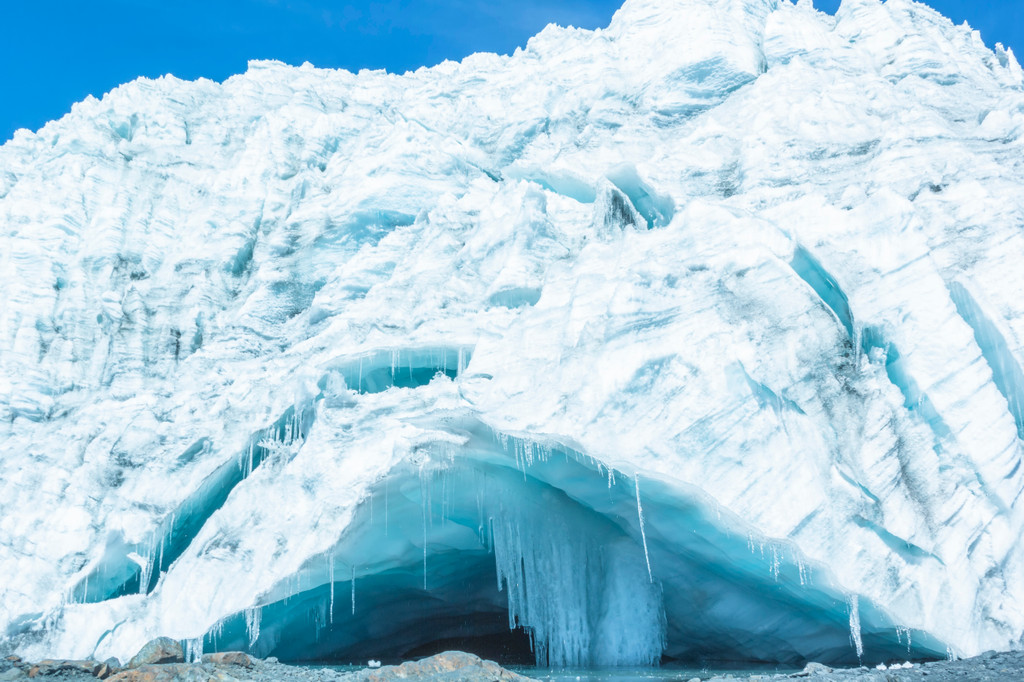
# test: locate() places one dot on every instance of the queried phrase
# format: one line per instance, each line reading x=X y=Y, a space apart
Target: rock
x=813 y=668
x=109 y=667
x=13 y=659
x=272 y=659
x=229 y=658
x=13 y=674
x=160 y=650
x=450 y=666
x=52 y=667
x=171 y=672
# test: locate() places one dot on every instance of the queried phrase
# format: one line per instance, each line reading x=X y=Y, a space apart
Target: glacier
x=696 y=337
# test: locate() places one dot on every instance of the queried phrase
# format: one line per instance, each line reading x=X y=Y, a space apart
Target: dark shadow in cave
x=463 y=609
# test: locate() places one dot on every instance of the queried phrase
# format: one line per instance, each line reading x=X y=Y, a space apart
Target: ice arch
x=514 y=549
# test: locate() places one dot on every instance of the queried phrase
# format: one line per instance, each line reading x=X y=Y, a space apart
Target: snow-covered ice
x=698 y=335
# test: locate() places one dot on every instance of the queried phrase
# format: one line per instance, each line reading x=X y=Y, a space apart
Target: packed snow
x=698 y=336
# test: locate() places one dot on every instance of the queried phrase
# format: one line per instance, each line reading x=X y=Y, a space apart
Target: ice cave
x=528 y=553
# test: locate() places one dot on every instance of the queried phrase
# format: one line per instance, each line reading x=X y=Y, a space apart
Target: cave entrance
x=388 y=617
x=477 y=556
x=524 y=556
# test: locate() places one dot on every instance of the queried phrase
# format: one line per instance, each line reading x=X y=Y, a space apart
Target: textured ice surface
x=699 y=335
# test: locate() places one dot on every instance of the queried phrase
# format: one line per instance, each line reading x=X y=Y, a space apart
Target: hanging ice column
x=577 y=584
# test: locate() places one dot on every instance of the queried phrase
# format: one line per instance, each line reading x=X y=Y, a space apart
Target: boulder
x=109 y=667
x=171 y=672
x=160 y=650
x=13 y=674
x=52 y=667
x=450 y=666
x=229 y=658
x=812 y=669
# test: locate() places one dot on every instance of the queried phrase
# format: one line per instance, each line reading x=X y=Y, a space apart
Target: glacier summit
x=699 y=336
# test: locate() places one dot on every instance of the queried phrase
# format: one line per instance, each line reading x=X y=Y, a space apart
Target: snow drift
x=699 y=336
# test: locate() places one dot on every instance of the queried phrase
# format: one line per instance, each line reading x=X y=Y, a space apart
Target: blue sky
x=55 y=52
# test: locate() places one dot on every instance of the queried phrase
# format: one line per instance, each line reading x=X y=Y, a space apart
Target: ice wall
x=724 y=295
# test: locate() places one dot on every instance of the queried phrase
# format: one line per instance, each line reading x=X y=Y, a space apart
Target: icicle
x=160 y=561
x=144 y=577
x=194 y=650
x=330 y=577
x=217 y=632
x=643 y=535
x=853 y=601
x=444 y=497
x=570 y=591
x=900 y=632
x=776 y=563
x=150 y=566
x=802 y=570
x=423 y=500
x=479 y=509
x=354 y=589
x=252 y=624
x=385 y=506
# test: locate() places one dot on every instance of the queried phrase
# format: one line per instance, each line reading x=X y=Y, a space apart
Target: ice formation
x=699 y=336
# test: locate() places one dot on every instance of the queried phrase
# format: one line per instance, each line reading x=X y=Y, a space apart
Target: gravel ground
x=455 y=667
x=452 y=666
x=989 y=667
